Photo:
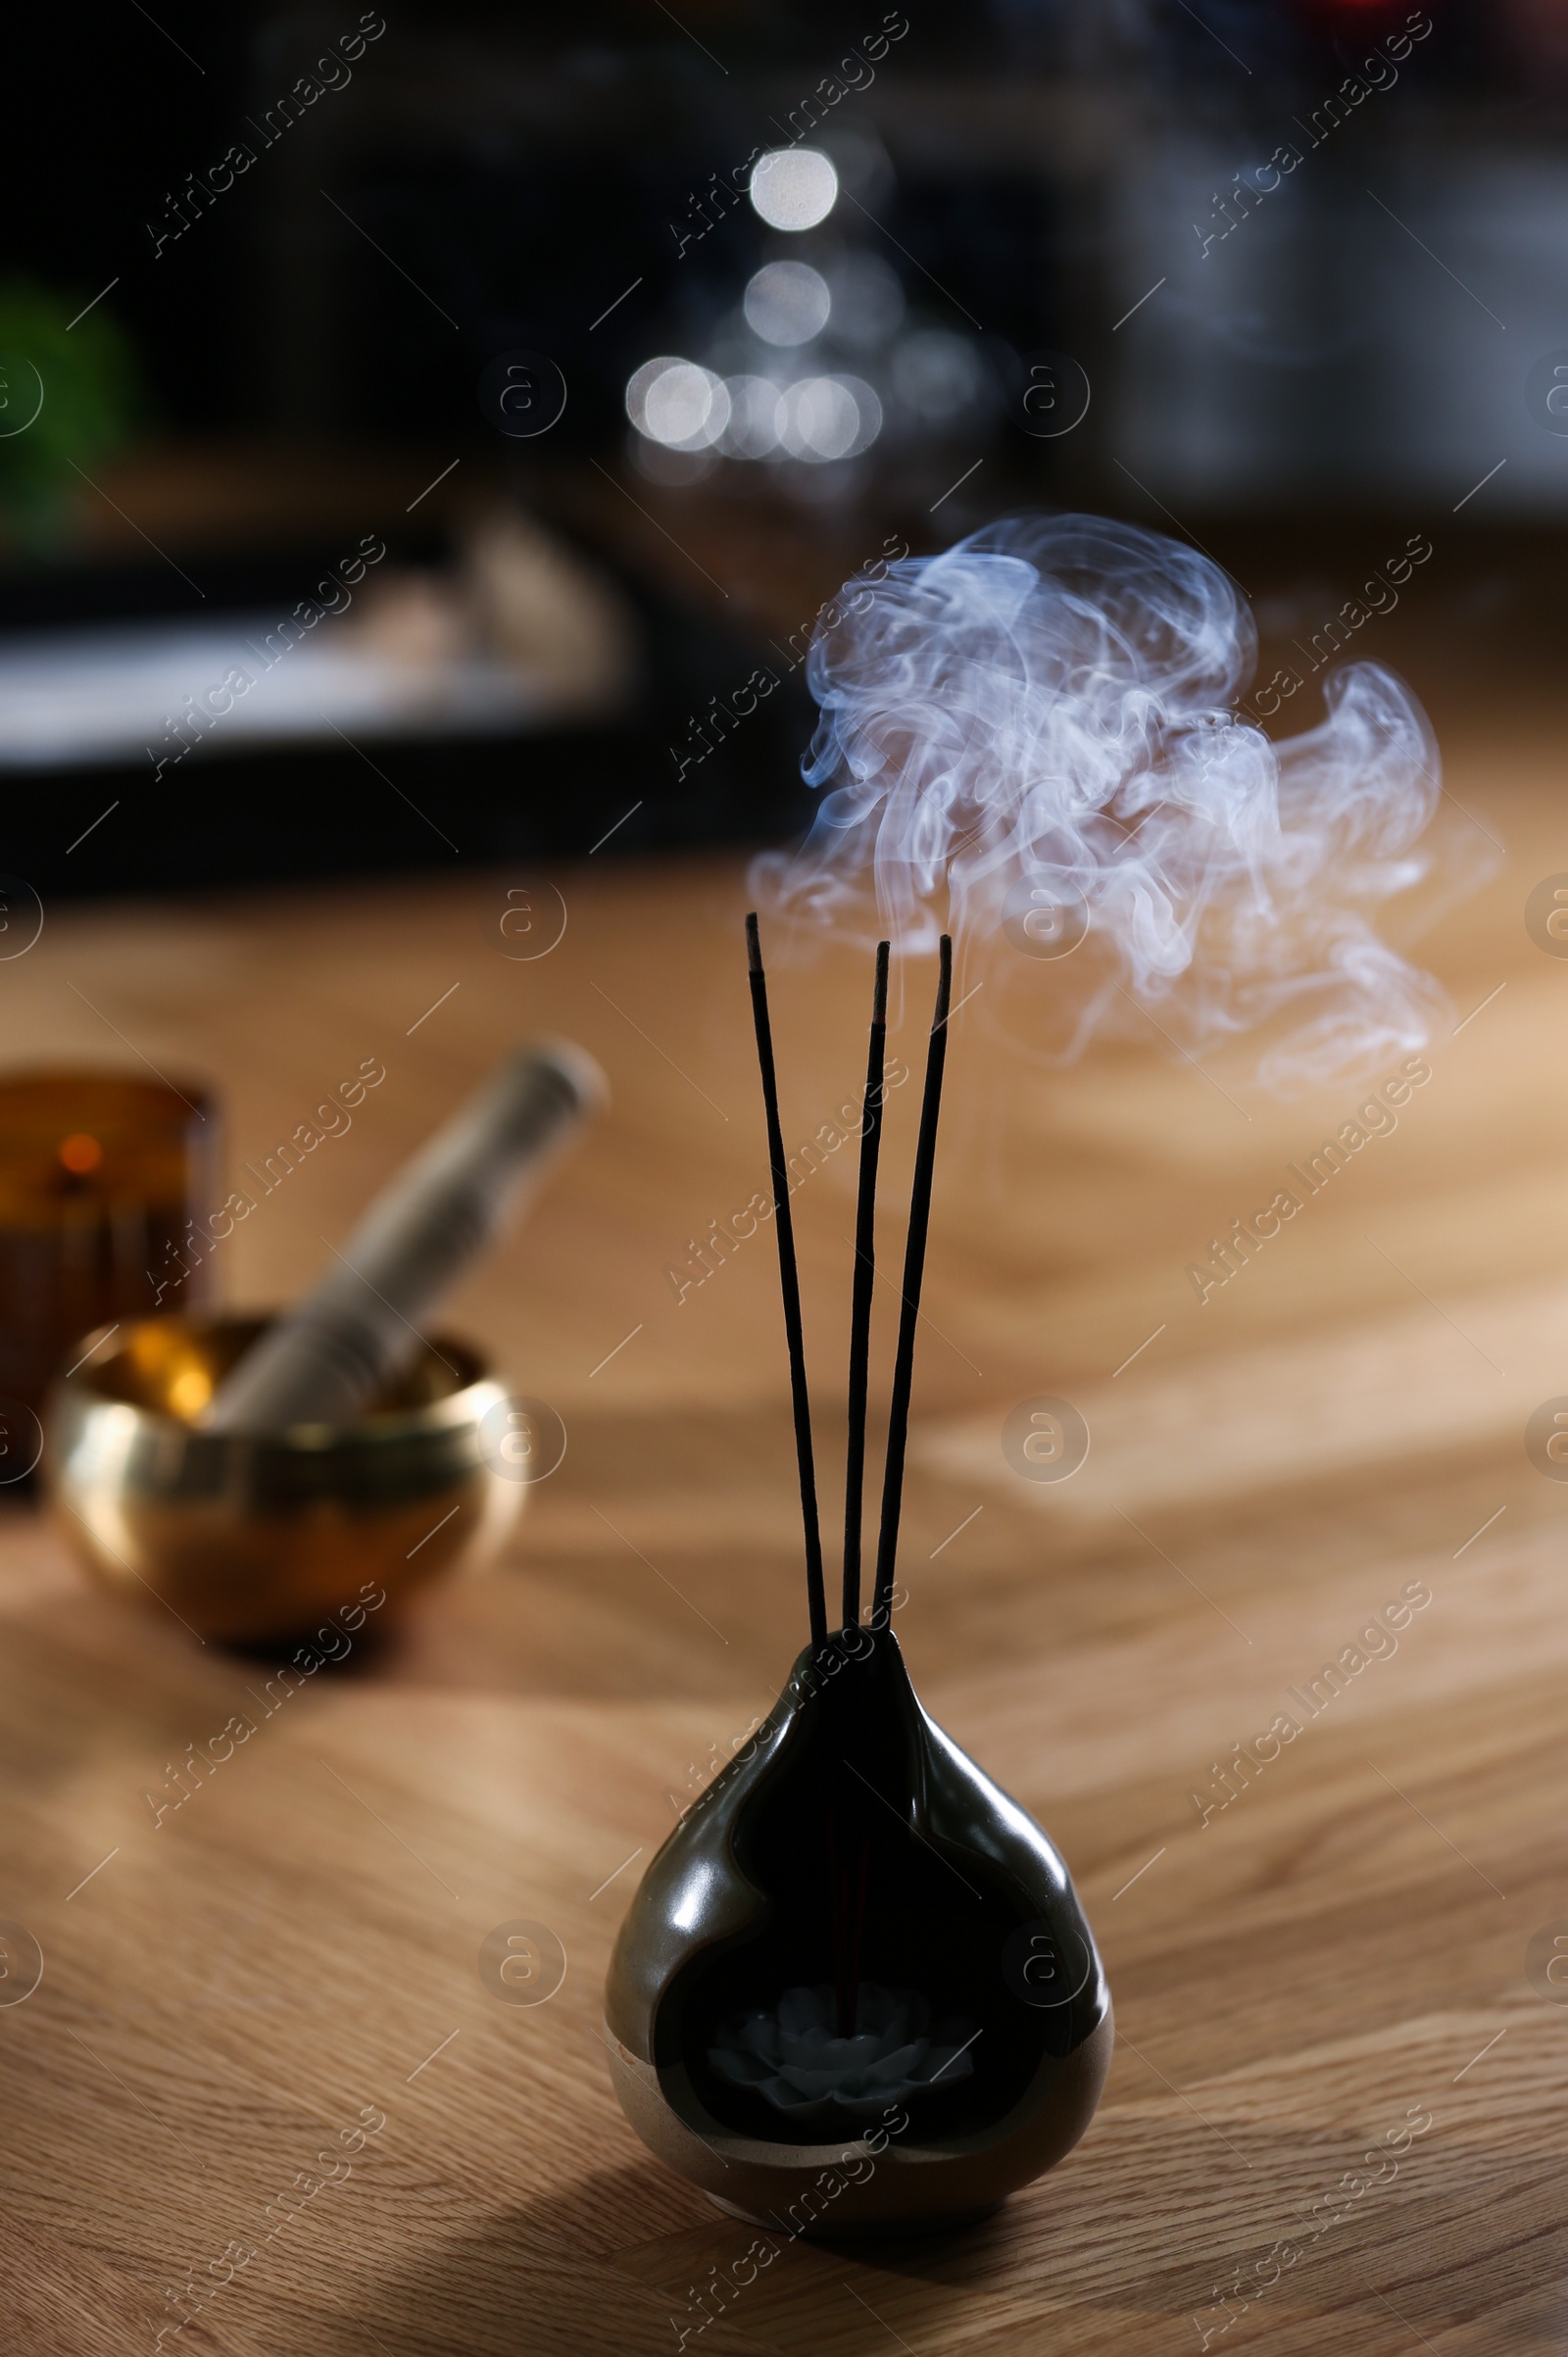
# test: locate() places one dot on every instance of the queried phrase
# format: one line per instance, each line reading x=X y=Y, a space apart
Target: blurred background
x=429 y=437
x=432 y=437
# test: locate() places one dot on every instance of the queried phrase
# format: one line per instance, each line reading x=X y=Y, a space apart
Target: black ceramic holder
x=855 y=1994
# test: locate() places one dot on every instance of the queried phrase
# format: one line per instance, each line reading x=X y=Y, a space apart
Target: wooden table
x=1340 y=1949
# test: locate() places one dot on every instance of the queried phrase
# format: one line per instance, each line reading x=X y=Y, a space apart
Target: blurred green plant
x=69 y=394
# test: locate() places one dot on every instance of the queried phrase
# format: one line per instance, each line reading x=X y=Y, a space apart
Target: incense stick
x=925 y=1154
x=864 y=1281
x=790 y=1285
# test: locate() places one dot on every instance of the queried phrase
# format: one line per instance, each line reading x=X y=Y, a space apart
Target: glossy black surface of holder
x=852 y=1844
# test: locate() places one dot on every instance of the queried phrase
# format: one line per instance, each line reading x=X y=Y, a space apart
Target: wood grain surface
x=1333 y=1957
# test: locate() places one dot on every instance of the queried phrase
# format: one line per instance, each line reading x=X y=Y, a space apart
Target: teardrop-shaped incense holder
x=856 y=1993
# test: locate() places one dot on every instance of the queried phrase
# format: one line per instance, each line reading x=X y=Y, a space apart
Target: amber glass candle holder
x=102 y=1178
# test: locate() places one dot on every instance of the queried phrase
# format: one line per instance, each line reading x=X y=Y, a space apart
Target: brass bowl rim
x=381 y=1428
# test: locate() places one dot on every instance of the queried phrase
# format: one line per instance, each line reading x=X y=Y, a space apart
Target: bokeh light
x=829 y=418
x=787 y=303
x=678 y=403
x=793 y=187
x=752 y=428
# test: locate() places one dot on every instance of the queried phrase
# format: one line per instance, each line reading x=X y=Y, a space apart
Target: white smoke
x=1047 y=709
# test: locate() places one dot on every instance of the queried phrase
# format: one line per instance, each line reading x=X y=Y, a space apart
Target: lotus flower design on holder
x=759 y=2006
x=800 y=2060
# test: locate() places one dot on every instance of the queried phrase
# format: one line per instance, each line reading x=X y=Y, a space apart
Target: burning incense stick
x=864 y=1280
x=790 y=1282
x=925 y=1154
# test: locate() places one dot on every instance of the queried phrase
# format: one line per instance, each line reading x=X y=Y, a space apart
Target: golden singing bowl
x=249 y=1536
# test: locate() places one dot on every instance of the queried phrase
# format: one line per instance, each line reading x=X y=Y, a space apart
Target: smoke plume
x=1038 y=728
